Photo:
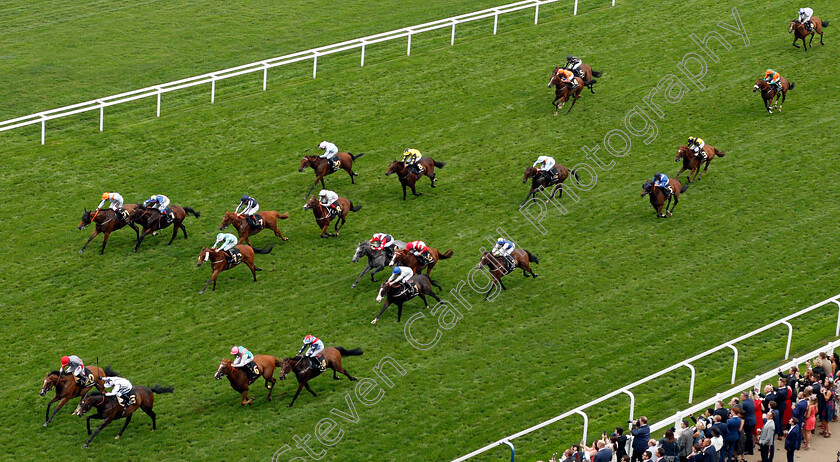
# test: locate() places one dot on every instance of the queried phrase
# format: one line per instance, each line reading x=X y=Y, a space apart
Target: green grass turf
x=620 y=293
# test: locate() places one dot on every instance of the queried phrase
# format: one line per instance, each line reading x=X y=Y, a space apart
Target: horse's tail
x=283 y=216
x=196 y=213
x=685 y=186
x=792 y=84
x=354 y=157
x=264 y=250
x=158 y=389
x=435 y=283
x=577 y=178
x=353 y=352
x=597 y=73
x=439 y=164
x=720 y=153
x=355 y=208
x=110 y=372
x=445 y=255
x=532 y=258
x=825 y=23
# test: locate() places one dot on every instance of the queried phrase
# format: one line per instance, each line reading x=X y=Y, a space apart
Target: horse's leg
x=556 y=188
x=796 y=39
x=269 y=383
x=277 y=232
x=253 y=269
x=312 y=187
x=676 y=201
x=574 y=101
x=143 y=235
x=300 y=387
x=403 y=185
x=60 y=405
x=96 y=432
x=306 y=384
x=493 y=283
x=413 y=191
x=784 y=97
x=344 y=371
x=127 y=420
x=244 y=400
x=104 y=241
x=88 y=423
x=95 y=232
x=151 y=414
x=423 y=297
x=821 y=38
x=350 y=172
x=384 y=307
x=183 y=228
x=375 y=270
x=174 y=232
x=367 y=268
x=531 y=192
x=810 y=42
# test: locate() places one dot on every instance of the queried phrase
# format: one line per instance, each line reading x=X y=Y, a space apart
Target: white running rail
x=580 y=410
x=263 y=66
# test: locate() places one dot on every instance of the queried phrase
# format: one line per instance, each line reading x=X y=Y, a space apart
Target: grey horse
x=377 y=260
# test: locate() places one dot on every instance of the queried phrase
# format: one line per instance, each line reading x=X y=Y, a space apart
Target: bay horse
x=67 y=387
x=497 y=268
x=801 y=32
x=219 y=261
x=405 y=258
x=107 y=222
x=108 y=409
x=588 y=73
x=691 y=162
x=377 y=260
x=409 y=178
x=323 y=217
x=245 y=230
x=152 y=220
x=563 y=93
x=397 y=294
x=541 y=181
x=657 y=196
x=768 y=92
x=304 y=371
x=322 y=167
x=239 y=379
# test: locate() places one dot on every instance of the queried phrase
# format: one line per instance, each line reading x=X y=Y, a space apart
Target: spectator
x=777 y=418
x=721 y=428
x=653 y=445
x=721 y=411
x=685 y=442
x=793 y=438
x=734 y=426
x=748 y=415
x=829 y=393
x=801 y=405
x=621 y=443
x=696 y=454
x=783 y=396
x=568 y=456
x=604 y=454
x=765 y=439
x=701 y=432
x=810 y=420
x=794 y=379
x=669 y=445
x=717 y=441
x=641 y=435
x=710 y=453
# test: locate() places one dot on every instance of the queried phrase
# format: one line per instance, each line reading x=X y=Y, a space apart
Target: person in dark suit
x=604 y=454
x=793 y=438
x=621 y=443
x=748 y=406
x=721 y=411
x=641 y=436
x=709 y=451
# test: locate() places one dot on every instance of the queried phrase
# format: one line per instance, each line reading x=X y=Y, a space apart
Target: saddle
x=318 y=362
x=510 y=264
x=256 y=222
x=335 y=164
x=809 y=25
x=551 y=174
x=252 y=371
x=424 y=258
x=127 y=399
x=87 y=379
x=167 y=217
x=123 y=215
x=333 y=212
x=416 y=168
x=234 y=257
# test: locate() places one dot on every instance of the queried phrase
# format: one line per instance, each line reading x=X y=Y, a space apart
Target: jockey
x=314 y=344
x=116 y=201
x=120 y=387
x=401 y=275
x=244 y=361
x=73 y=364
x=227 y=240
x=773 y=78
x=159 y=202
x=805 y=16
x=573 y=64
x=696 y=144
x=328 y=198
x=381 y=241
x=411 y=157
x=249 y=207
x=661 y=180
x=567 y=77
x=329 y=150
x=419 y=249
x=545 y=165
x=504 y=248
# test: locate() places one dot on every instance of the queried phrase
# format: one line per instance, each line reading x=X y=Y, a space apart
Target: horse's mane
x=58 y=373
x=94 y=393
x=110 y=372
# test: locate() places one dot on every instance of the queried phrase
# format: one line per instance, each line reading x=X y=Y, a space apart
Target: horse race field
x=620 y=293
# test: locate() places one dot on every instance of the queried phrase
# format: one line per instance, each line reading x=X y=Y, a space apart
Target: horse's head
x=286 y=367
x=361 y=250
x=530 y=172
x=485 y=260
x=394 y=167
x=398 y=256
x=682 y=151
x=307 y=161
x=86 y=219
x=224 y=369
x=310 y=203
x=646 y=188
x=383 y=291
x=555 y=78
x=203 y=256
x=227 y=220
x=89 y=401
x=794 y=25
x=50 y=381
x=760 y=85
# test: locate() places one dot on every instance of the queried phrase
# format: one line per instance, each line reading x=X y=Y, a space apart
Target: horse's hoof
x=284 y=238
x=291 y=404
x=117 y=437
x=82 y=251
x=353 y=286
x=84 y=446
x=269 y=399
x=373 y=322
x=46 y=424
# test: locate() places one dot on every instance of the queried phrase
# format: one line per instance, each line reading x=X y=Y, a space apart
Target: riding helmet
x=245 y=197
x=65 y=360
x=397 y=270
x=234 y=351
x=105 y=196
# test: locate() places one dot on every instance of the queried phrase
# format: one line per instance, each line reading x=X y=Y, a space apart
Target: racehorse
x=322 y=167
x=397 y=294
x=67 y=387
x=305 y=371
x=239 y=379
x=108 y=409
x=691 y=163
x=588 y=73
x=801 y=32
x=768 y=92
x=405 y=258
x=323 y=217
x=219 y=261
x=107 y=222
x=245 y=229
x=541 y=181
x=408 y=177
x=152 y=220
x=562 y=91
x=498 y=269
x=657 y=196
x=377 y=260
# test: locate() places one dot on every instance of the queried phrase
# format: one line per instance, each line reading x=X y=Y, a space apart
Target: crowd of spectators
x=796 y=409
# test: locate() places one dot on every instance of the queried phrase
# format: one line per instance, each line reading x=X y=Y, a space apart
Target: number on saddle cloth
x=335 y=164
x=318 y=361
x=87 y=379
x=256 y=221
x=234 y=257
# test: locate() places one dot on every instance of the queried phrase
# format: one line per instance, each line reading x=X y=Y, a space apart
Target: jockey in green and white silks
x=227 y=240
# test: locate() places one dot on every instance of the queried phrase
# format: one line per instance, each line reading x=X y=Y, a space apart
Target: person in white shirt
x=330 y=150
x=120 y=388
x=115 y=199
x=328 y=198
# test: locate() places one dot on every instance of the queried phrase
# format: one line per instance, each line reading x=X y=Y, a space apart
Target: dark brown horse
x=323 y=216
x=107 y=222
x=542 y=181
x=239 y=379
x=404 y=257
x=396 y=294
x=108 y=409
x=152 y=220
x=768 y=92
x=657 y=196
x=322 y=167
x=499 y=269
x=305 y=371
x=588 y=73
x=801 y=32
x=219 y=261
x=67 y=387
x=245 y=229
x=408 y=177
x=562 y=92
x=692 y=163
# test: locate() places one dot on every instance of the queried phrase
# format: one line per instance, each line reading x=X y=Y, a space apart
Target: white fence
x=263 y=66
x=580 y=410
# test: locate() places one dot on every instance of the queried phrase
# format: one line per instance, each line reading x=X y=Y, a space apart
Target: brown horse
x=562 y=91
x=67 y=387
x=152 y=220
x=404 y=257
x=108 y=409
x=499 y=269
x=657 y=196
x=107 y=222
x=322 y=167
x=219 y=261
x=408 y=177
x=768 y=92
x=541 y=181
x=691 y=162
x=801 y=32
x=305 y=371
x=245 y=230
x=239 y=379
x=323 y=216
x=588 y=73
x=397 y=294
